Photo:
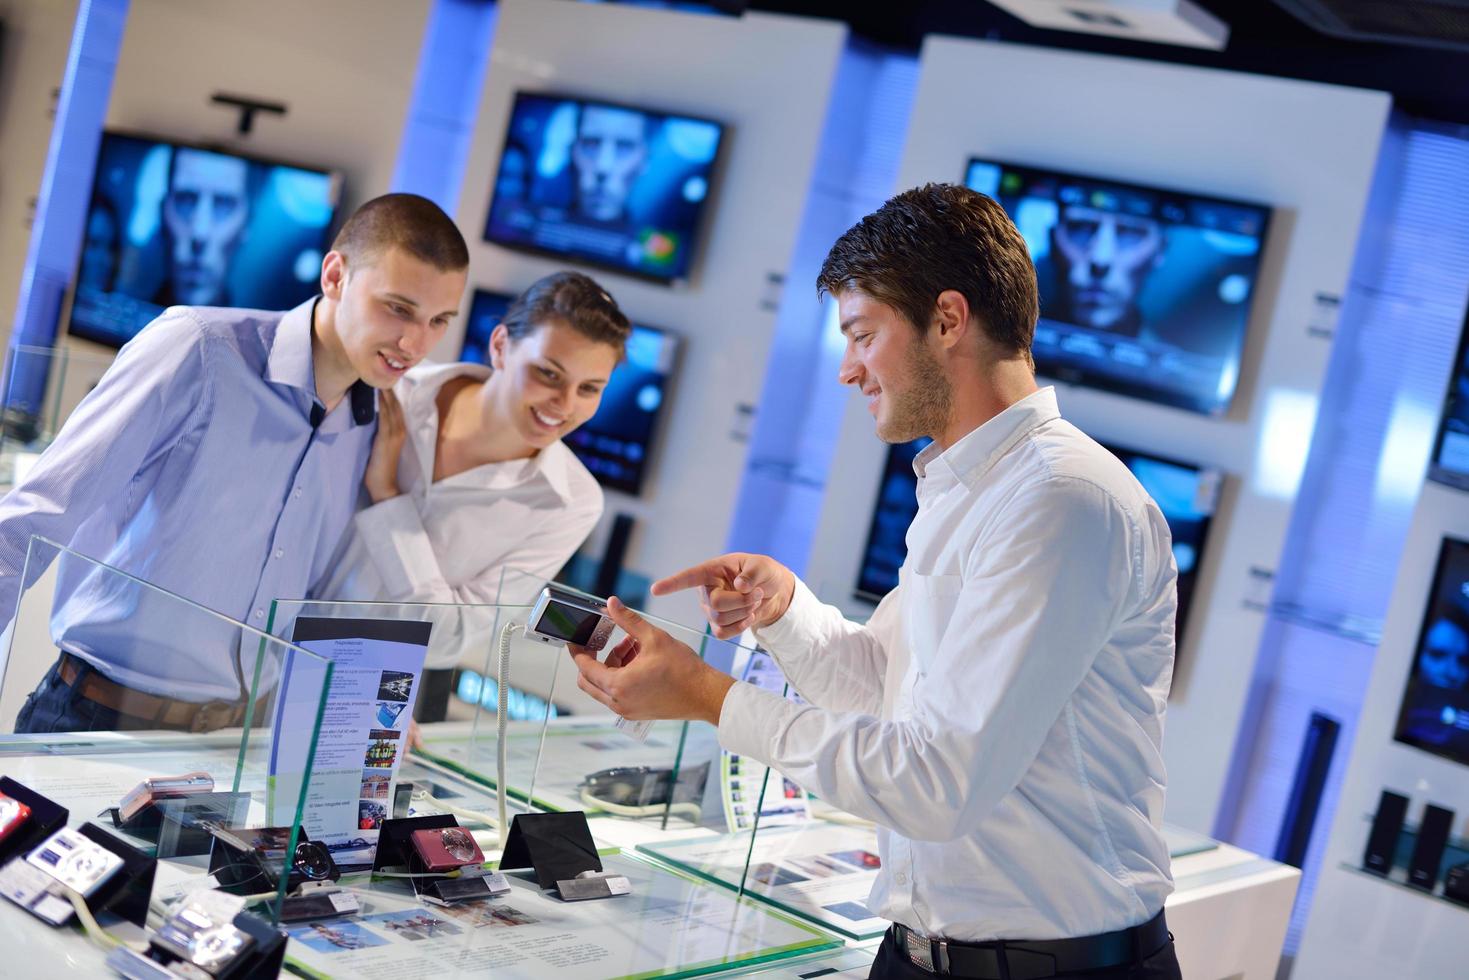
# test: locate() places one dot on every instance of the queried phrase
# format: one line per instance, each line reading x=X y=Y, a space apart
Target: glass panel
x=785 y=847
x=675 y=778
x=42 y=386
x=454 y=683
x=668 y=925
x=130 y=683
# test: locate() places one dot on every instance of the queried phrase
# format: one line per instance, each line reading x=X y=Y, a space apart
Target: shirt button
x=280 y=553
x=259 y=613
x=900 y=878
x=297 y=494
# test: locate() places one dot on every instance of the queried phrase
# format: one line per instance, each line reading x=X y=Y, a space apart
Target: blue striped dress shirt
x=194 y=465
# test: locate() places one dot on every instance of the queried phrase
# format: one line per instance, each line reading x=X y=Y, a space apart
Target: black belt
x=1021 y=959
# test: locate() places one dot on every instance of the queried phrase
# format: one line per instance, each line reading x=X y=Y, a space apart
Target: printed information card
x=376 y=665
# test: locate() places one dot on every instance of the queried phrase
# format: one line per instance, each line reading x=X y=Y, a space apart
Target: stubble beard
x=923 y=404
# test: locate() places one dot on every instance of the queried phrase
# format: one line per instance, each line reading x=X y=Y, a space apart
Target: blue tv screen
x=1450 y=464
x=170 y=223
x=1185 y=493
x=615 y=443
x=610 y=185
x=486 y=310
x=1434 y=715
x=1144 y=292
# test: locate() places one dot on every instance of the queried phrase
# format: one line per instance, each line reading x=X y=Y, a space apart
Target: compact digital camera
x=563 y=616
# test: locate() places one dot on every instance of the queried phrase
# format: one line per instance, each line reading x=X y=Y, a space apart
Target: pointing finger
x=709 y=574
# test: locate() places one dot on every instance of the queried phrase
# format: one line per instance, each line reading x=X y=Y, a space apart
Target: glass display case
x=305 y=733
x=42 y=385
x=222 y=718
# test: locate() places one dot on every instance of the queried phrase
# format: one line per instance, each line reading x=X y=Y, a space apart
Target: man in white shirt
x=1000 y=717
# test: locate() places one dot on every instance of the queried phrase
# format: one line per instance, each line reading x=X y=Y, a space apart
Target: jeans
x=893 y=964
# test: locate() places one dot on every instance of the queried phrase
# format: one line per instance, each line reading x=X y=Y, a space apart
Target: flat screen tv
x=616 y=186
x=486 y=310
x=1145 y=292
x=1186 y=494
x=615 y=443
x=1450 y=462
x=1434 y=715
x=172 y=223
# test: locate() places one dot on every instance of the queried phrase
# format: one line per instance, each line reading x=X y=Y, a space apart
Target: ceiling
x=1431 y=83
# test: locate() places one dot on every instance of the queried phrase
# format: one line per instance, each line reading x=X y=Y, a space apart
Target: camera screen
x=568 y=623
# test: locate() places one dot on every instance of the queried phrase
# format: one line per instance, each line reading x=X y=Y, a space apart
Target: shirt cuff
x=394 y=536
x=797 y=632
x=751 y=721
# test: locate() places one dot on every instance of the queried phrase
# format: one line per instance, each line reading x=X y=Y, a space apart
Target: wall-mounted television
x=1186 y=494
x=1450 y=461
x=617 y=186
x=486 y=310
x=1145 y=292
x=1434 y=715
x=172 y=223
x=615 y=443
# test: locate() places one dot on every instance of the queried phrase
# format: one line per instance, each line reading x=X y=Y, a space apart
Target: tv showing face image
x=1145 y=292
x=1186 y=494
x=610 y=185
x=173 y=224
x=614 y=443
x=1435 y=711
x=1450 y=463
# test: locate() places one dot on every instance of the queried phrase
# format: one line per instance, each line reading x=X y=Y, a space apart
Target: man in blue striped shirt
x=220 y=458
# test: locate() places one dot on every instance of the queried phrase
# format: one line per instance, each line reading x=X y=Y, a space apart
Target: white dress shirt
x=456 y=540
x=1000 y=717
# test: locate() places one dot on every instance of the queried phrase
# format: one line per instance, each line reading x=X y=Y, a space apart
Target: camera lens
x=312 y=860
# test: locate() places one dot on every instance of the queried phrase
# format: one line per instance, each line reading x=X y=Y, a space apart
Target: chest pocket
x=931 y=603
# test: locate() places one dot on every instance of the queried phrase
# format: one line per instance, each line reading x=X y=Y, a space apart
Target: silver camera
x=563 y=616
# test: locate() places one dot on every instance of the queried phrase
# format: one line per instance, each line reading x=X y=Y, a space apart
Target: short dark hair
x=574 y=299
x=414 y=224
x=938 y=237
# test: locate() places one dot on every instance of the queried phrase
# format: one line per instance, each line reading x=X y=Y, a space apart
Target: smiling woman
x=469 y=475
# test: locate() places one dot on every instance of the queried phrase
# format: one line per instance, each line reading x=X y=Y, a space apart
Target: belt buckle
x=212 y=715
x=930 y=954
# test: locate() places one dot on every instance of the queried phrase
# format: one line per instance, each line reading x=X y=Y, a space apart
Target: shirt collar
x=967 y=460
x=422 y=386
x=290 y=363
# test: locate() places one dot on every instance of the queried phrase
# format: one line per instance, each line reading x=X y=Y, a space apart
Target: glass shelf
x=1399 y=880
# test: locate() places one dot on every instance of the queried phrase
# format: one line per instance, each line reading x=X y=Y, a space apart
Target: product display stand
x=395 y=850
x=126 y=893
x=262 y=961
x=556 y=846
x=176 y=825
x=46 y=818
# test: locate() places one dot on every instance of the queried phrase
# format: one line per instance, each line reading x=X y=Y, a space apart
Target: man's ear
x=333 y=275
x=951 y=318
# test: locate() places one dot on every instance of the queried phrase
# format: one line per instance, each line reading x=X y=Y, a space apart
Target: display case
x=42 y=385
x=222 y=718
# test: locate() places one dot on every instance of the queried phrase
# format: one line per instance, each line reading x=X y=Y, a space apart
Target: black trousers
x=893 y=964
